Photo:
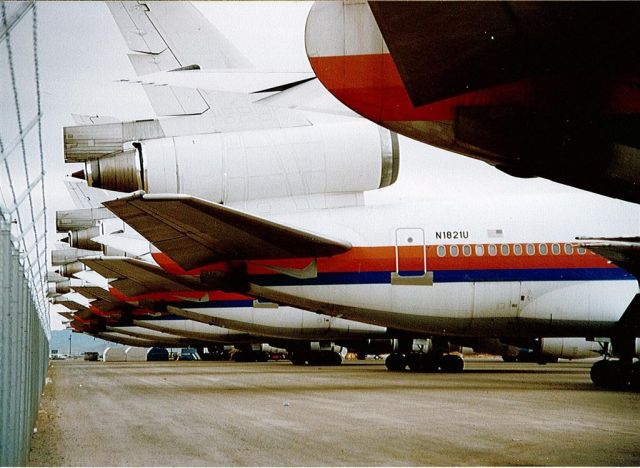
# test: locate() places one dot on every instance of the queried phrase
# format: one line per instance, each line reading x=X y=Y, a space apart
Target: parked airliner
x=508 y=268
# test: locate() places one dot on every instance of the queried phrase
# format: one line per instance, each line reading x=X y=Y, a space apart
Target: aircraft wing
x=94 y=292
x=67 y=315
x=135 y=277
x=78 y=311
x=194 y=232
x=623 y=251
x=72 y=305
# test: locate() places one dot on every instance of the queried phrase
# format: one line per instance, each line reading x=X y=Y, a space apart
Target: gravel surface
x=359 y=414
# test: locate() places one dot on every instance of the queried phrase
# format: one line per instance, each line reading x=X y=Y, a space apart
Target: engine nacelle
x=72 y=220
x=267 y=348
x=493 y=346
x=569 y=348
x=324 y=346
x=69 y=269
x=64 y=256
x=241 y=166
x=63 y=287
x=81 y=239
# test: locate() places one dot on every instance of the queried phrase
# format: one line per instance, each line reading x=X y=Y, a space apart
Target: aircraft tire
x=451 y=363
x=418 y=362
x=613 y=375
x=396 y=362
x=634 y=378
x=297 y=360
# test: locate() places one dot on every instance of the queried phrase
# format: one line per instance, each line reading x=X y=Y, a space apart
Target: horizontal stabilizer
x=194 y=232
x=135 y=277
x=623 y=251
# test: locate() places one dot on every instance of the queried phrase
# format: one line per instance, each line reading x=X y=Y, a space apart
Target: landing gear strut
x=421 y=362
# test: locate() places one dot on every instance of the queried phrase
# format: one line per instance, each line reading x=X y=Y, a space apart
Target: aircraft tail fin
x=176 y=34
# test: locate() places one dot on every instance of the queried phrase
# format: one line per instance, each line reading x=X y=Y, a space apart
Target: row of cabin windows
x=506 y=249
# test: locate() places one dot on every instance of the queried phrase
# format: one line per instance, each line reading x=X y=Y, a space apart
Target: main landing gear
x=616 y=374
x=421 y=362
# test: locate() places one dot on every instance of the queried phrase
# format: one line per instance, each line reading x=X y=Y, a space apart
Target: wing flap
x=195 y=232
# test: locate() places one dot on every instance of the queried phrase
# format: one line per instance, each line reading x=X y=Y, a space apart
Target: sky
x=83 y=57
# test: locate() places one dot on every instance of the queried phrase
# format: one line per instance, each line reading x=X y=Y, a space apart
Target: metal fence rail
x=24 y=349
x=24 y=310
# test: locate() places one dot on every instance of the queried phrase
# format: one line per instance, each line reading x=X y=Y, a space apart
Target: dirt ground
x=359 y=414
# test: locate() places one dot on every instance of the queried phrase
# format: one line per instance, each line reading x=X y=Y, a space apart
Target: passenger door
x=411 y=258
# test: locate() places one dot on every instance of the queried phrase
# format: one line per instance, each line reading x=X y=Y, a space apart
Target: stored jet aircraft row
x=296 y=233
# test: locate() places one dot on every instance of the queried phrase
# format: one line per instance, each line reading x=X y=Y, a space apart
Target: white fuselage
x=535 y=283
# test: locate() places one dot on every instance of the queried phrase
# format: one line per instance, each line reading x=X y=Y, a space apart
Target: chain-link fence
x=24 y=310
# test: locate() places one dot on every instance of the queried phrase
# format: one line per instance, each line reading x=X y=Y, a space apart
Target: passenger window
x=568 y=249
x=543 y=249
x=493 y=250
x=517 y=249
x=466 y=250
x=442 y=251
x=531 y=250
x=453 y=250
x=479 y=250
x=581 y=250
x=555 y=249
x=504 y=249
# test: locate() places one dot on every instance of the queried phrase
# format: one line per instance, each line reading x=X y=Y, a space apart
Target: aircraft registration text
x=452 y=234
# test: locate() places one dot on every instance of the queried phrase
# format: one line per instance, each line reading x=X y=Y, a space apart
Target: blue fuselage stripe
x=453 y=276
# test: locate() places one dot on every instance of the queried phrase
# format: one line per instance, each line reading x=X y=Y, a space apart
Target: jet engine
x=569 y=348
x=82 y=238
x=72 y=220
x=249 y=165
x=544 y=350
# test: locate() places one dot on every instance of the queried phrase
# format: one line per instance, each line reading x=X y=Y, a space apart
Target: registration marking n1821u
x=452 y=234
